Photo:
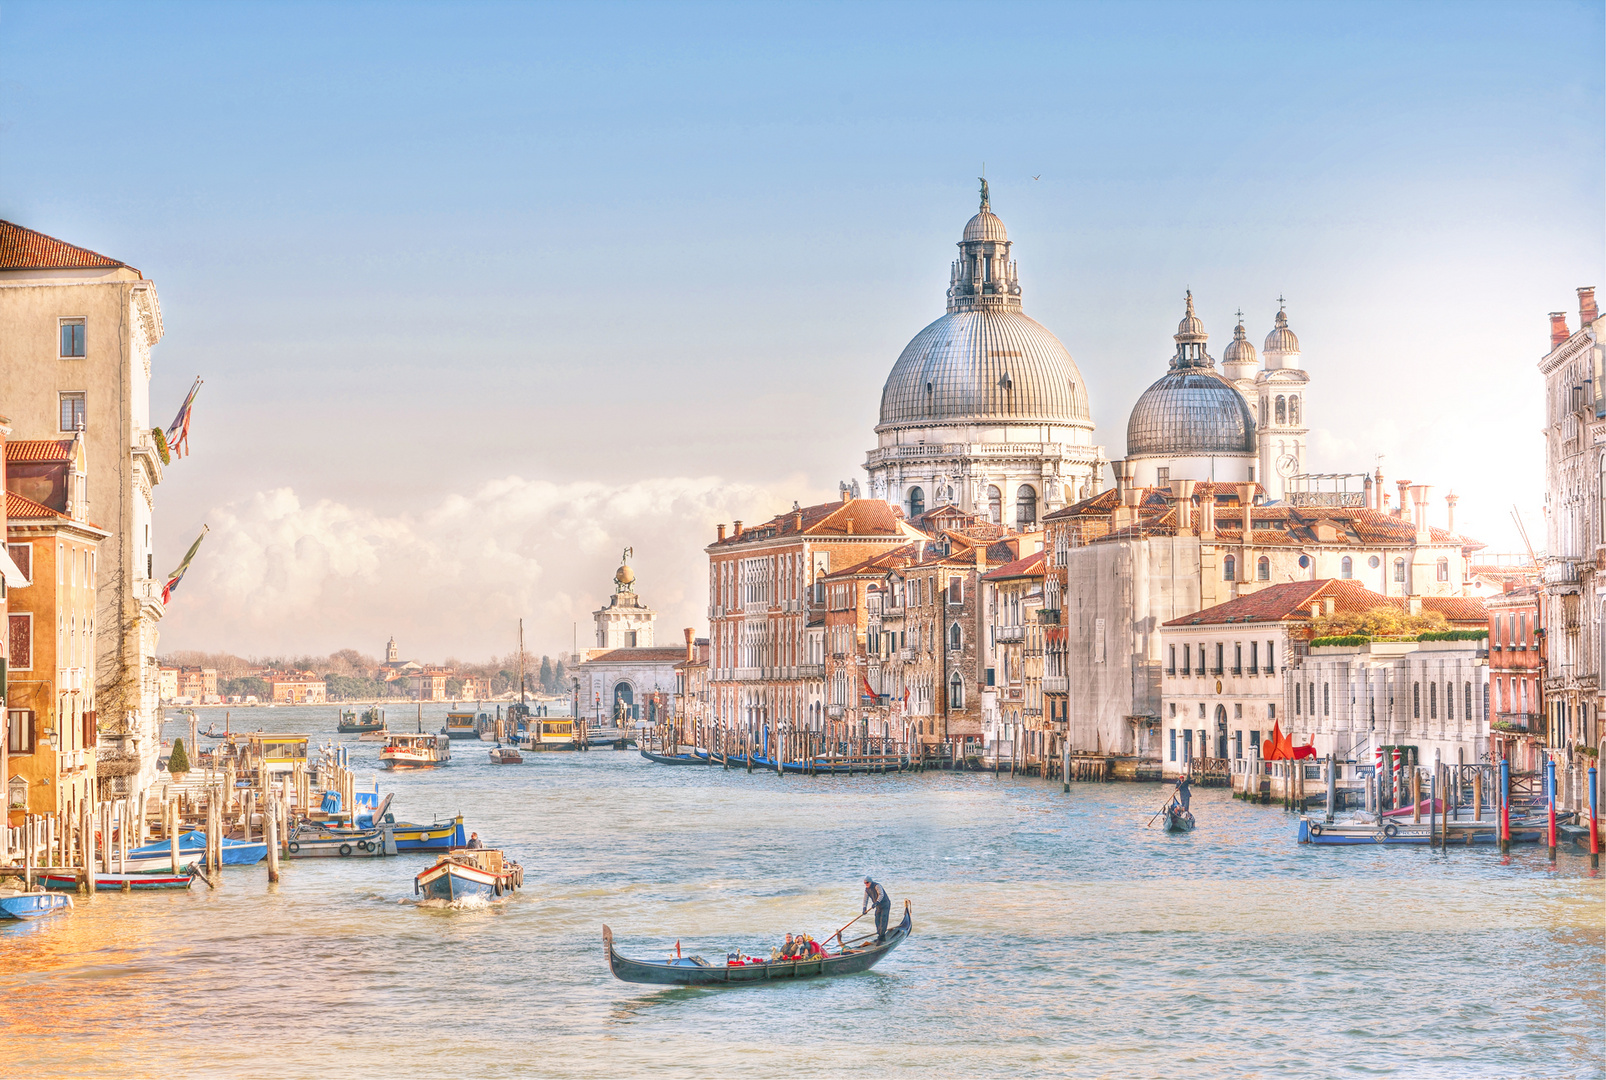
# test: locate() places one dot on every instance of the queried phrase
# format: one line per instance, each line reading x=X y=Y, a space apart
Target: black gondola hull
x=641 y=971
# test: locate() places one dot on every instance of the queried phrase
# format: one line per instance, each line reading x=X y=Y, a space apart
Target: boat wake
x=467 y=903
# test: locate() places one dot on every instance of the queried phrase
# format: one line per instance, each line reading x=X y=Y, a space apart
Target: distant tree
x=247 y=686
x=546 y=674
x=454 y=688
x=558 y=680
x=178 y=761
x=1386 y=621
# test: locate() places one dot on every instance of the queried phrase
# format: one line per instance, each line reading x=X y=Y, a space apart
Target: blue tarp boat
x=192 y=848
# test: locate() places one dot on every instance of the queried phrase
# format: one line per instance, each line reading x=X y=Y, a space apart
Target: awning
x=15 y=578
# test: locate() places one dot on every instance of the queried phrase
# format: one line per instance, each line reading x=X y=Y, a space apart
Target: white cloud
x=278 y=575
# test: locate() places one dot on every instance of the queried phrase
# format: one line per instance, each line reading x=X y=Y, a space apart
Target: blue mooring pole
x=1550 y=801
x=1505 y=806
x=1594 y=823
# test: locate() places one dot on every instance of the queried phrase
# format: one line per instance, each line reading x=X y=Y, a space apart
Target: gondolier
x=1184 y=790
x=876 y=896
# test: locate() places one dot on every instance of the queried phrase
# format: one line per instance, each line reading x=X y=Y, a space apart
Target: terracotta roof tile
x=24 y=249
x=39 y=450
x=1030 y=566
x=22 y=508
x=1291 y=601
x=867 y=517
x=648 y=654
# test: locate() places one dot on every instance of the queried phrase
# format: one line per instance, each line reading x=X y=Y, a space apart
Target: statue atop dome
x=986 y=203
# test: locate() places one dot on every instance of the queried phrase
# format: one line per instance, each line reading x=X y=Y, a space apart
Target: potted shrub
x=178 y=762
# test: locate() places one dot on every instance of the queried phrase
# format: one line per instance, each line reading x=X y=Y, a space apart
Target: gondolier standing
x=875 y=895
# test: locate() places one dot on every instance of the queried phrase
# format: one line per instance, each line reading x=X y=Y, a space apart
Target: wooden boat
x=18 y=904
x=673 y=759
x=469 y=873
x=549 y=733
x=191 y=848
x=460 y=725
x=1176 y=819
x=213 y=733
x=67 y=880
x=506 y=755
x=415 y=751
x=373 y=719
x=694 y=971
x=335 y=844
x=1524 y=830
x=377 y=735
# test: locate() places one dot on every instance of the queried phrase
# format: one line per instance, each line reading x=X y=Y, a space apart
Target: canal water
x=1055 y=935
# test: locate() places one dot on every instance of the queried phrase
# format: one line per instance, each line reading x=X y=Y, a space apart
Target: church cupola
x=1190 y=338
x=1238 y=360
x=1282 y=347
x=984 y=278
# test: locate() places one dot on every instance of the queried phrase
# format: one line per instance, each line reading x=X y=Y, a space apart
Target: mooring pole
x=1505 y=806
x=1550 y=800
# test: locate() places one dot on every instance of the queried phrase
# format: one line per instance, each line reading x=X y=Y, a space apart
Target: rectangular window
x=20 y=655
x=1254 y=658
x=1254 y=744
x=1271 y=660
x=1296 y=699
x=19 y=731
x=72 y=339
x=1171 y=666
x=1221 y=653
x=1187 y=659
x=1237 y=659
x=1271 y=711
x=22 y=556
x=956 y=590
x=1173 y=744
x=1187 y=745
x=72 y=410
x=1201 y=669
x=1238 y=745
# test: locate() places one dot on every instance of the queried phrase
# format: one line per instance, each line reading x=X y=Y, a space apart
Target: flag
x=868 y=691
x=178 y=575
x=178 y=432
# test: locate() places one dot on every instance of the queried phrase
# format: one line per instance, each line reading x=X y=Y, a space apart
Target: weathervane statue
x=986 y=203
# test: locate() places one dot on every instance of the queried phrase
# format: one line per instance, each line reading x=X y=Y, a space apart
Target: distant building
x=298 y=689
x=428 y=685
x=626 y=684
x=199 y=684
x=167 y=683
x=1012 y=689
x=1517 y=713
x=691 y=702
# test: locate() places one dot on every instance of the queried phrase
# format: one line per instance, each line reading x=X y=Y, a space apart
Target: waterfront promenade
x=1055 y=935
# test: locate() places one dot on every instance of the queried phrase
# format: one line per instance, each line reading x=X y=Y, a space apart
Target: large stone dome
x=1191 y=411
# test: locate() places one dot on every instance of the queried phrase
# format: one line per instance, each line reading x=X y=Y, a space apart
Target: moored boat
x=469 y=873
x=415 y=751
x=372 y=720
x=335 y=844
x=672 y=759
x=694 y=971
x=66 y=880
x=20 y=904
x=549 y=733
x=460 y=725
x=1524 y=830
x=191 y=848
x=506 y=755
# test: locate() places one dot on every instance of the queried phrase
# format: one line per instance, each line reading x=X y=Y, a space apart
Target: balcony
x=811 y=671
x=1561 y=572
x=1518 y=721
x=1056 y=684
x=1048 y=616
x=835 y=712
x=906 y=655
x=1009 y=635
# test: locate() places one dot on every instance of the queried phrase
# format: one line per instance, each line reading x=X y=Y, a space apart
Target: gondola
x=694 y=971
x=673 y=759
x=1177 y=819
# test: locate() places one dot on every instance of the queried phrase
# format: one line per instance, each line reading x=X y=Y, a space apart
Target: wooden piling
x=1416 y=797
x=1477 y=796
x=270 y=824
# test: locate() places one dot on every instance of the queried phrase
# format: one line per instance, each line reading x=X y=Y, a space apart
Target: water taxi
x=506 y=755
x=460 y=725
x=415 y=751
x=278 y=753
x=468 y=873
x=548 y=733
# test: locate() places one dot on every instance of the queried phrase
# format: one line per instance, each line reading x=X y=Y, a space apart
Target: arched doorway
x=624 y=703
x=1221 y=731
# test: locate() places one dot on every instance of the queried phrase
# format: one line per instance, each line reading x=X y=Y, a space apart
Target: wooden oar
x=838 y=935
x=1157 y=813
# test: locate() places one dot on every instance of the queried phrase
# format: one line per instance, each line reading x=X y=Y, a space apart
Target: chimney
x=1328 y=606
x=1413 y=605
x=1132 y=497
x=736 y=529
x=797 y=520
x=1382 y=495
x=1123 y=479
x=1449 y=501
x=1404 y=513
x=1182 y=496
x=1419 y=514
x=1207 y=515
x=1507 y=585
x=981 y=558
x=1587 y=311
x=691 y=644
x=1558 y=328
x=1371 y=493
x=719 y=533
x=847 y=493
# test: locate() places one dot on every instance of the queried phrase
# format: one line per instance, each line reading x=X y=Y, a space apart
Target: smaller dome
x=1239 y=351
x=624 y=575
x=1191 y=328
x=985 y=226
x=1282 y=339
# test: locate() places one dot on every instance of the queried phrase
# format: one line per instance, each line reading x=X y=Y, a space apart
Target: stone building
x=767 y=605
x=1575 y=466
x=1012 y=683
x=985 y=409
x=1234 y=670
x=75 y=355
x=691 y=705
x=303 y=689
x=52 y=741
x=626 y=679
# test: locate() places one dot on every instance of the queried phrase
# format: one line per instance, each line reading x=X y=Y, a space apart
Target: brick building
x=1517 y=713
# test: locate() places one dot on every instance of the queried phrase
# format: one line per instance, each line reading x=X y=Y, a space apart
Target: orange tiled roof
x=651 y=654
x=855 y=517
x=1291 y=601
x=22 y=508
x=24 y=249
x=1030 y=566
x=21 y=450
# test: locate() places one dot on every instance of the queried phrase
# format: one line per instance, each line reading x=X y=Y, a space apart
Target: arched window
x=1293 y=409
x=1433 y=701
x=995 y=504
x=1263 y=569
x=956 y=692
x=956 y=638
x=1327 y=699
x=1346 y=568
x=1229 y=569
x=1399 y=569
x=1025 y=506
x=1282 y=409
x=917 y=502
x=1416 y=701
x=1444 y=569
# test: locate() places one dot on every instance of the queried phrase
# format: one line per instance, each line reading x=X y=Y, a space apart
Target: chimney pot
x=1329 y=604
x=1449 y=501
x=736 y=528
x=1558 y=328
x=719 y=531
x=1587 y=311
x=1405 y=489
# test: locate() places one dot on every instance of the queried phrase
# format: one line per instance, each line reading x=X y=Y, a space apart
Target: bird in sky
x=1039 y=176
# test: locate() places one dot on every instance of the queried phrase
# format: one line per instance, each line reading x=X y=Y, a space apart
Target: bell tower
x=1281 y=391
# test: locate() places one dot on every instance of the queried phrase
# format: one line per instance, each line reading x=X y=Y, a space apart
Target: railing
x=835 y=712
x=1009 y=634
x=1056 y=684
x=1218 y=672
x=1560 y=572
x=811 y=671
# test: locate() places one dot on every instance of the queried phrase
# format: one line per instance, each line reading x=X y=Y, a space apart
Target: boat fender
x=293 y=847
x=1391 y=830
x=1315 y=829
x=345 y=849
x=498 y=887
x=368 y=845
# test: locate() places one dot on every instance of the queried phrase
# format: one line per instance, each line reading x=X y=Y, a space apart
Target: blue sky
x=606 y=275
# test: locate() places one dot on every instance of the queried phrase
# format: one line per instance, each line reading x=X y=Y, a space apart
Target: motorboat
x=407 y=751
x=469 y=873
